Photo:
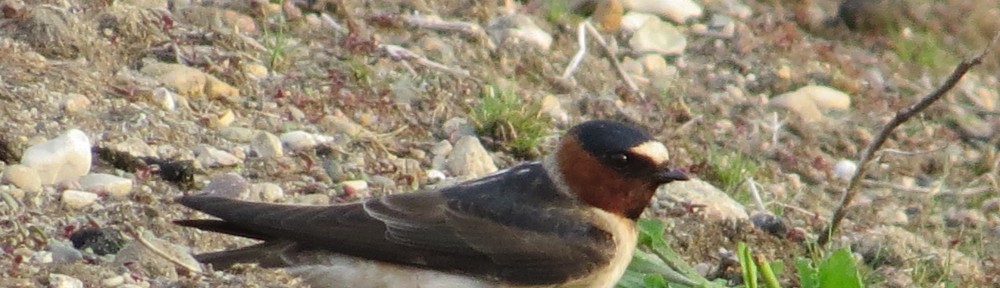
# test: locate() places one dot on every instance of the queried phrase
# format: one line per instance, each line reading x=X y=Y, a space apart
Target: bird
x=567 y=220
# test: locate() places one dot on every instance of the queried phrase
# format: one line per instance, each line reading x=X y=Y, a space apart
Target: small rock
x=254 y=71
x=656 y=36
x=769 y=223
x=811 y=101
x=892 y=215
x=267 y=145
x=140 y=259
x=210 y=157
x=64 y=158
x=135 y=147
x=302 y=140
x=64 y=281
x=165 y=99
x=469 y=159
x=678 y=11
x=113 y=281
x=62 y=253
x=76 y=199
x=189 y=81
x=229 y=185
x=100 y=241
x=267 y=192
x=74 y=103
x=237 y=134
x=457 y=128
x=441 y=148
x=632 y=20
x=964 y=217
x=552 y=107
x=111 y=185
x=338 y=123
x=519 y=29
x=718 y=206
x=356 y=188
x=434 y=175
x=22 y=176
x=845 y=169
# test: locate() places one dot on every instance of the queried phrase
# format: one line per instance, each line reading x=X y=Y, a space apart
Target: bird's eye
x=618 y=159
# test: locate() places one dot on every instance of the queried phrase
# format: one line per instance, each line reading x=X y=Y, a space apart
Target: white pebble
x=845 y=169
x=64 y=158
x=76 y=199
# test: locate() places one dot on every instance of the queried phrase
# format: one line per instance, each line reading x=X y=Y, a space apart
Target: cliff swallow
x=566 y=221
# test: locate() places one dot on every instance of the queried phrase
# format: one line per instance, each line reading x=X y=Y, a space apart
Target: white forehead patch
x=654 y=150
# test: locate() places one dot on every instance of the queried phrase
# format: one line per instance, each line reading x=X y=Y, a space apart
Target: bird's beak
x=668 y=175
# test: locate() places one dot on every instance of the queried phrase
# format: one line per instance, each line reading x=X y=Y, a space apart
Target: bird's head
x=614 y=166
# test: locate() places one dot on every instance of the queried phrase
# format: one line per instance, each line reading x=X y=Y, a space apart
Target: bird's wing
x=470 y=235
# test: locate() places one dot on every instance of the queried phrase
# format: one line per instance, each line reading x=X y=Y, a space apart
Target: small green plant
x=502 y=116
x=839 y=269
x=730 y=169
x=276 y=41
x=750 y=266
x=924 y=49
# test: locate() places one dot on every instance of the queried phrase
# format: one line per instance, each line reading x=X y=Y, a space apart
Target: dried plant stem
x=901 y=117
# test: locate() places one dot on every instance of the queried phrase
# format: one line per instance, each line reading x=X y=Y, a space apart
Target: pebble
x=22 y=176
x=469 y=159
x=964 y=217
x=518 y=29
x=553 y=108
x=632 y=20
x=254 y=71
x=267 y=192
x=656 y=36
x=299 y=140
x=844 y=169
x=111 y=185
x=441 y=148
x=678 y=11
x=267 y=145
x=435 y=176
x=210 y=157
x=190 y=82
x=810 y=102
x=64 y=281
x=64 y=158
x=100 y=241
x=229 y=185
x=769 y=223
x=135 y=147
x=75 y=103
x=457 y=128
x=718 y=206
x=356 y=188
x=76 y=199
x=63 y=253
x=338 y=123
x=165 y=99
x=140 y=259
x=237 y=134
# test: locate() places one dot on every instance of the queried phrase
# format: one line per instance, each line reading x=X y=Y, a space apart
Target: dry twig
x=135 y=233
x=400 y=53
x=901 y=117
x=471 y=30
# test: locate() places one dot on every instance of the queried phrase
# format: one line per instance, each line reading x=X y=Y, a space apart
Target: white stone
x=211 y=157
x=267 y=192
x=356 y=188
x=658 y=37
x=111 y=185
x=469 y=159
x=165 y=99
x=23 y=177
x=64 y=158
x=633 y=20
x=434 y=175
x=678 y=11
x=64 y=281
x=76 y=199
x=267 y=145
x=519 y=28
x=718 y=206
x=810 y=102
x=844 y=169
x=298 y=140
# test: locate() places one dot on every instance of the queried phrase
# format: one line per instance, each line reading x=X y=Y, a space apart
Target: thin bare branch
x=901 y=117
